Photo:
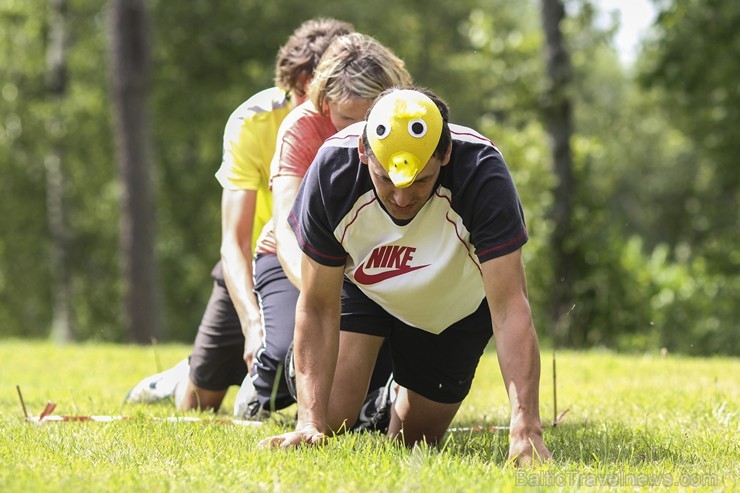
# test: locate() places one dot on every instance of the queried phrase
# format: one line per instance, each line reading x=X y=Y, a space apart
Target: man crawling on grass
x=424 y=251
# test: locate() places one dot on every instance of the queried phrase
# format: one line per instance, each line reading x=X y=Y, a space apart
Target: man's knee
x=198 y=398
x=414 y=418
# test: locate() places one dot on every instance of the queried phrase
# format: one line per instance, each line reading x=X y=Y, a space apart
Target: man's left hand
x=309 y=435
x=528 y=450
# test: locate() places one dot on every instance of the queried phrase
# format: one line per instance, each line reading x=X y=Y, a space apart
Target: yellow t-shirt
x=249 y=143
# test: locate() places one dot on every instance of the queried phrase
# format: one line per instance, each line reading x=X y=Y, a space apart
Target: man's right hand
x=254 y=337
x=308 y=434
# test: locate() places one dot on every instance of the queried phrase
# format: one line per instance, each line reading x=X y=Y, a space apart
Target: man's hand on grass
x=308 y=434
x=528 y=450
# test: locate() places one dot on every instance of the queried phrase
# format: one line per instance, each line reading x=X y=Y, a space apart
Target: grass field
x=638 y=422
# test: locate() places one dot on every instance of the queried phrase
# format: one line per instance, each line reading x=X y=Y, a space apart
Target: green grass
x=634 y=421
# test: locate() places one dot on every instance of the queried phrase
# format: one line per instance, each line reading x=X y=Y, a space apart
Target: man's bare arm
x=518 y=353
x=316 y=345
x=284 y=190
x=237 y=222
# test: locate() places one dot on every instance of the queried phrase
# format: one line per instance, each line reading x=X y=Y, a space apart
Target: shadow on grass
x=586 y=443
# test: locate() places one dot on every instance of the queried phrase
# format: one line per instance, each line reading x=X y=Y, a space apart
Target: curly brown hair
x=299 y=56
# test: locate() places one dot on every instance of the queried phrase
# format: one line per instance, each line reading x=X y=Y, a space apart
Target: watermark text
x=568 y=479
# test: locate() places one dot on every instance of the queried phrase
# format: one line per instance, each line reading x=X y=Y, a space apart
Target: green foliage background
x=656 y=178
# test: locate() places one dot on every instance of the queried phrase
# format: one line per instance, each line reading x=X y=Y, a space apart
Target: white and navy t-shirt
x=425 y=272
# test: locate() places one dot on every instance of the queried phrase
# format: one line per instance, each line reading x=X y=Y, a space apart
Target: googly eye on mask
x=417 y=128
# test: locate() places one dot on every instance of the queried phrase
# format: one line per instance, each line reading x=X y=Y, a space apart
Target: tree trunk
x=130 y=76
x=558 y=118
x=62 y=325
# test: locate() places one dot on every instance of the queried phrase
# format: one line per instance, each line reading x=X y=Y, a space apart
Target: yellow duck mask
x=403 y=130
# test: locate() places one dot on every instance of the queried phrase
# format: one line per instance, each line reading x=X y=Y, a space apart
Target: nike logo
x=364 y=278
x=392 y=257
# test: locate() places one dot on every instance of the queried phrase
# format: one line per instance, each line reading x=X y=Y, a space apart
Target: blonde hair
x=355 y=66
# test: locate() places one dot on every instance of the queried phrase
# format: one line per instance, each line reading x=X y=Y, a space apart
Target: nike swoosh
x=364 y=278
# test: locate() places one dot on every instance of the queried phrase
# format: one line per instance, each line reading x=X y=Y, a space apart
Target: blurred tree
x=130 y=78
x=25 y=301
x=557 y=111
x=62 y=326
x=610 y=292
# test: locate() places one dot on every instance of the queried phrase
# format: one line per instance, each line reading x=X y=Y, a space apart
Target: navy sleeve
x=490 y=204
x=310 y=220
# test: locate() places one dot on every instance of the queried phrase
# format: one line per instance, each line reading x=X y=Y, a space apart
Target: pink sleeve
x=299 y=145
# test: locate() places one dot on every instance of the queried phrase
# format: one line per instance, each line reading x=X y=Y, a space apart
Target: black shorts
x=217 y=360
x=439 y=367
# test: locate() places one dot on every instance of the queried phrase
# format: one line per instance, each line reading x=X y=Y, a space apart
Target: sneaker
x=246 y=405
x=290 y=373
x=375 y=414
x=159 y=387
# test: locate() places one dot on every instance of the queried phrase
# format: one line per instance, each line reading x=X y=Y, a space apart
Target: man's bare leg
x=196 y=398
x=357 y=356
x=415 y=418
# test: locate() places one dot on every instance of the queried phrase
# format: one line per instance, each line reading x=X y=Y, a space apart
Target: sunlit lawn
x=634 y=421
